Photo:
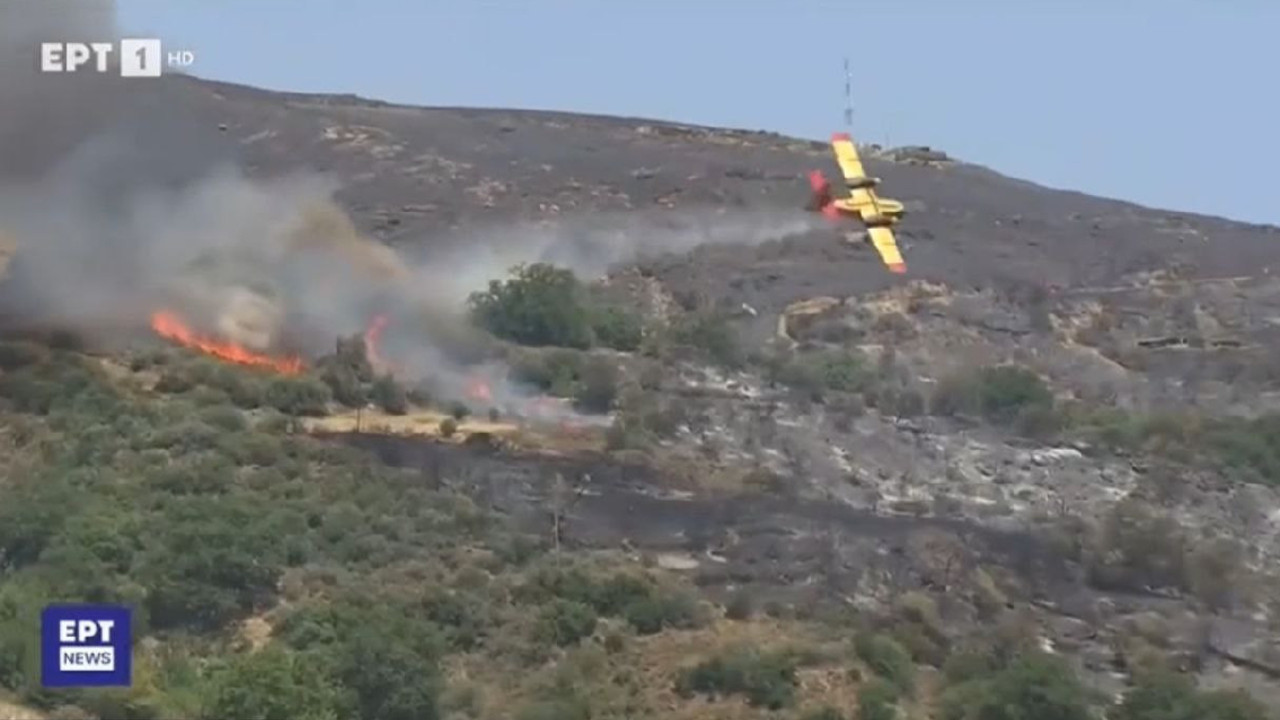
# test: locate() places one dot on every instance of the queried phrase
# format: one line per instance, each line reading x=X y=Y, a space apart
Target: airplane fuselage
x=881 y=211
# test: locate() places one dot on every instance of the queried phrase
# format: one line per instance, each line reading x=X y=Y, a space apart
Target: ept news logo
x=86 y=646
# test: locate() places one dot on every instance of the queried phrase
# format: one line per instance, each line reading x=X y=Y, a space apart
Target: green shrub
x=766 y=679
x=555 y=372
x=1251 y=445
x=712 y=336
x=740 y=607
x=20 y=353
x=272 y=685
x=1166 y=695
x=887 y=659
x=555 y=710
x=1032 y=686
x=820 y=373
x=659 y=611
x=616 y=328
x=1004 y=395
x=461 y=616
x=344 y=385
x=565 y=622
x=298 y=396
x=390 y=396
x=448 y=427
x=599 y=387
x=877 y=700
x=618 y=593
x=899 y=402
x=459 y=411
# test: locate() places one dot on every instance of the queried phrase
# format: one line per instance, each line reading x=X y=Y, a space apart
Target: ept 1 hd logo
x=139 y=57
x=85 y=646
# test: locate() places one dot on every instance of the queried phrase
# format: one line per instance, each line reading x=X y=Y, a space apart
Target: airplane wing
x=847 y=157
x=882 y=239
x=864 y=200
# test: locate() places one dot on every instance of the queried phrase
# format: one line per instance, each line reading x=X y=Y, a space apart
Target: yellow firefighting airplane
x=878 y=214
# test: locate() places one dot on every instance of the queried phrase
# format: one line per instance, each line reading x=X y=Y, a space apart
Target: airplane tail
x=821 y=200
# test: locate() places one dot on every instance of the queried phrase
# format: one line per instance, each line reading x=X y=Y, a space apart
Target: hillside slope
x=1058 y=431
x=408 y=172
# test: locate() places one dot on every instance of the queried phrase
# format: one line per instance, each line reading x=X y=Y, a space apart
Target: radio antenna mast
x=848 y=96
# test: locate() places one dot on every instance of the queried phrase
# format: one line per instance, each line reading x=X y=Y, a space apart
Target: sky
x=1167 y=103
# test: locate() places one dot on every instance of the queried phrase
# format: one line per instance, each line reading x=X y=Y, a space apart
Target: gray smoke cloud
x=44 y=116
x=119 y=198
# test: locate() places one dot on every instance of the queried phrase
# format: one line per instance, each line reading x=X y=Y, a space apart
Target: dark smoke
x=44 y=116
x=109 y=186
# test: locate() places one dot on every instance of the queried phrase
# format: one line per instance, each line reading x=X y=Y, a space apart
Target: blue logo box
x=86 y=646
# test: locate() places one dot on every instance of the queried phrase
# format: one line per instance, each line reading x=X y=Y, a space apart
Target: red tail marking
x=818 y=182
x=822 y=195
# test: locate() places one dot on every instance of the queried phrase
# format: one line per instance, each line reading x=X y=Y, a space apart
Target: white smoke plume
x=591 y=245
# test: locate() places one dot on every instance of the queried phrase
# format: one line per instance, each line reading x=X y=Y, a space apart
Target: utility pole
x=848 y=97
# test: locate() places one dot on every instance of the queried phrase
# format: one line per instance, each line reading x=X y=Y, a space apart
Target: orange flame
x=168 y=325
x=479 y=391
x=371 y=338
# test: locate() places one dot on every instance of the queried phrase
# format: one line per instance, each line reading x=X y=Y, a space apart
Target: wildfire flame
x=372 y=338
x=168 y=325
x=478 y=390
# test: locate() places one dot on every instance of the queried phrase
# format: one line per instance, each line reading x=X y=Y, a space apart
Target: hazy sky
x=1171 y=103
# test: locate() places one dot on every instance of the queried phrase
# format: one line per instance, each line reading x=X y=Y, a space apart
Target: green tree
x=344 y=385
x=541 y=305
x=273 y=684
